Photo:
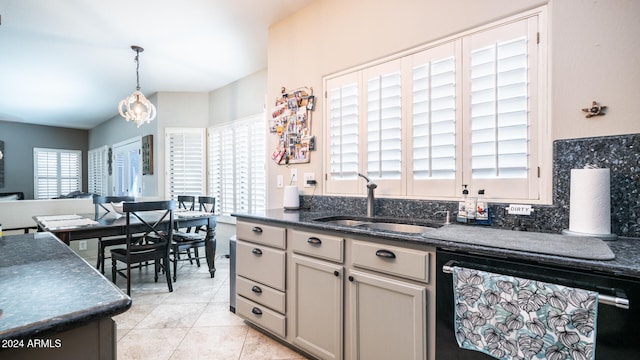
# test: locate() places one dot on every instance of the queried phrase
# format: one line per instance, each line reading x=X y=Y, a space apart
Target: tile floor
x=192 y=322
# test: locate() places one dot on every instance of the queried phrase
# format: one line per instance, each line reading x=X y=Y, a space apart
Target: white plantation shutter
x=466 y=110
x=57 y=172
x=435 y=121
x=237 y=175
x=503 y=66
x=186 y=162
x=384 y=122
x=343 y=153
x=97 y=171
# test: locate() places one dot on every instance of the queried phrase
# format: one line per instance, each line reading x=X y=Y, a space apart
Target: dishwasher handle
x=618 y=302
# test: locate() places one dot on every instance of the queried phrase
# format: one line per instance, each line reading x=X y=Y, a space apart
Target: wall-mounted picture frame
x=291 y=122
x=147 y=155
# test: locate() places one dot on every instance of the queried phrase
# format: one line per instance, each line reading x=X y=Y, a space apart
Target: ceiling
x=68 y=63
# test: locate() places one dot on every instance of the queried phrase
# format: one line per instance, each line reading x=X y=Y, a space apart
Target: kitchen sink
x=385 y=224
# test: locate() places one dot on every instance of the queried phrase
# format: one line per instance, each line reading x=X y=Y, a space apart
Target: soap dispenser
x=471 y=209
x=462 y=206
x=483 y=215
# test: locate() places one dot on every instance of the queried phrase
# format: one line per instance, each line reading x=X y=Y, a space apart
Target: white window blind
x=499 y=110
x=434 y=117
x=384 y=124
x=502 y=123
x=237 y=175
x=186 y=162
x=435 y=124
x=465 y=110
x=97 y=171
x=57 y=172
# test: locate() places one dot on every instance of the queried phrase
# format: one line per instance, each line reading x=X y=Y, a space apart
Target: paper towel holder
x=605 y=237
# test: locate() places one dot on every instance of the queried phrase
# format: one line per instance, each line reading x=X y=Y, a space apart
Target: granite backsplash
x=619 y=153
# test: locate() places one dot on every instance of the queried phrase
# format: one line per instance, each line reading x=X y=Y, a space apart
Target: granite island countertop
x=617 y=258
x=46 y=288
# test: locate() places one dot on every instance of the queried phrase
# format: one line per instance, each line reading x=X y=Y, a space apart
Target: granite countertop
x=617 y=258
x=47 y=288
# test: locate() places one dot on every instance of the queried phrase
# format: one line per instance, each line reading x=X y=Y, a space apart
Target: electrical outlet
x=82 y=245
x=294 y=175
x=309 y=177
x=280 y=181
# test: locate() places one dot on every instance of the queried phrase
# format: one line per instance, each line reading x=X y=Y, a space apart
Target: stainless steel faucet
x=371 y=201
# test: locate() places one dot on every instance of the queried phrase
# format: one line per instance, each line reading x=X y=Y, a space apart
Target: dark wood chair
x=184 y=241
x=150 y=244
x=99 y=203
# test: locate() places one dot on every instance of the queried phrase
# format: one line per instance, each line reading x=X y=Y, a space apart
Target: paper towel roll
x=590 y=202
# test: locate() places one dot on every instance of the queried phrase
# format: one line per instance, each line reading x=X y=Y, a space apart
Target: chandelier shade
x=136 y=107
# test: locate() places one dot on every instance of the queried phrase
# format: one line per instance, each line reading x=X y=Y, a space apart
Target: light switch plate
x=294 y=175
x=280 y=181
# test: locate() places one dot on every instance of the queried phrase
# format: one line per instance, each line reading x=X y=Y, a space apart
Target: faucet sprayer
x=370 y=197
x=370 y=184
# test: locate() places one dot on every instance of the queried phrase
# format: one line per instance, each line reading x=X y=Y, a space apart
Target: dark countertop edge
x=68 y=322
x=607 y=267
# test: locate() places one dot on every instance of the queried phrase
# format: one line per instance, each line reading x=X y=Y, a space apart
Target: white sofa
x=18 y=214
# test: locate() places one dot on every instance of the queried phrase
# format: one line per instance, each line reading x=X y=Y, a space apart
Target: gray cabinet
x=387 y=318
x=261 y=276
x=316 y=306
x=334 y=297
x=388 y=302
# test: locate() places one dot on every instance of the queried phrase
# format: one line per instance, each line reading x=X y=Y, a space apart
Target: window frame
x=197 y=166
x=538 y=183
x=252 y=196
x=58 y=172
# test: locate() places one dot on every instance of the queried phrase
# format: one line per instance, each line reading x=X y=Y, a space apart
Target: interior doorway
x=127 y=174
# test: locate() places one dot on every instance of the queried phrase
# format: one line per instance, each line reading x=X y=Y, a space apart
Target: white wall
x=239 y=99
x=594 y=47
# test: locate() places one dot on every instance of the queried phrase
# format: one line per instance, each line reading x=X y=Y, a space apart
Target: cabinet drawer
x=261 y=234
x=261 y=263
x=261 y=316
x=408 y=263
x=321 y=246
x=261 y=294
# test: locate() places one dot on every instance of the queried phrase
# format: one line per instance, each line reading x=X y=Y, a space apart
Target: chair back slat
x=99 y=201
x=187 y=202
x=207 y=203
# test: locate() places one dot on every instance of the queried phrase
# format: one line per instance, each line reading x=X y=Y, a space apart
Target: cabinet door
x=316 y=306
x=387 y=318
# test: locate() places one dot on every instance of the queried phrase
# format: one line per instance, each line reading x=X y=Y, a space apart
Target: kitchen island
x=53 y=304
x=334 y=268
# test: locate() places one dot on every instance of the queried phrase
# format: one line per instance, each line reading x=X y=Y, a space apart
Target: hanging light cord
x=137 y=68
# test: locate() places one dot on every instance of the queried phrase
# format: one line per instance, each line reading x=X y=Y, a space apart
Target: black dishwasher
x=618 y=329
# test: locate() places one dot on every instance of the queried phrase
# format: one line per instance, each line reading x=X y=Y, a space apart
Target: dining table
x=72 y=227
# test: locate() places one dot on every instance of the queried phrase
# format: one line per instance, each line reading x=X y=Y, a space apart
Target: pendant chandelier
x=136 y=107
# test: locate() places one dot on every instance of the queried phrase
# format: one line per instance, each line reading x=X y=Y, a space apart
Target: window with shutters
x=56 y=172
x=185 y=162
x=237 y=175
x=97 y=171
x=464 y=110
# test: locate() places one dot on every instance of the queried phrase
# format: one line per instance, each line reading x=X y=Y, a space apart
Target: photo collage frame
x=291 y=122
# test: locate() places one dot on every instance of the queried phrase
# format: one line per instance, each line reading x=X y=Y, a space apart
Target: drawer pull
x=314 y=241
x=336 y=273
x=350 y=278
x=256 y=311
x=257 y=230
x=256 y=290
x=256 y=252
x=385 y=254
